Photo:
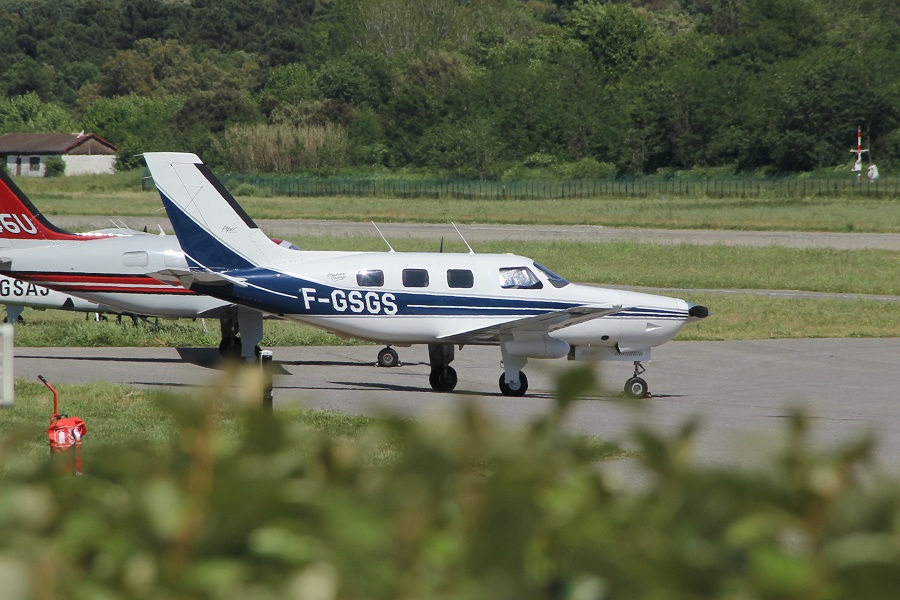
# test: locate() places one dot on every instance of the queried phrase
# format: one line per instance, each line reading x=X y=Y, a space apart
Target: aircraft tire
x=637 y=388
x=443 y=379
x=506 y=390
x=388 y=357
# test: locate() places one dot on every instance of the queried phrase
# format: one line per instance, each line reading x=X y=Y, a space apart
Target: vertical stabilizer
x=212 y=228
x=21 y=220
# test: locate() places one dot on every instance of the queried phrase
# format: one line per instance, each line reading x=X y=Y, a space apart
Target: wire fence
x=583 y=188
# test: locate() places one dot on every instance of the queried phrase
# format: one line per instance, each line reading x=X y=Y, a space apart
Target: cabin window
x=370 y=278
x=415 y=278
x=555 y=280
x=519 y=278
x=460 y=278
x=135 y=259
x=34 y=163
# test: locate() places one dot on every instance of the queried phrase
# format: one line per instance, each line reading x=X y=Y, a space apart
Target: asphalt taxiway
x=742 y=392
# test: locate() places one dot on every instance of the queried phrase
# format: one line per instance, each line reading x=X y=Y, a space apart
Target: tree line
x=493 y=89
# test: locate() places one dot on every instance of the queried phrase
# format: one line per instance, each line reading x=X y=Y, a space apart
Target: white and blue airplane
x=443 y=300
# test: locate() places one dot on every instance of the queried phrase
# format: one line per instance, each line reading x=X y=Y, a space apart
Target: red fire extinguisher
x=65 y=435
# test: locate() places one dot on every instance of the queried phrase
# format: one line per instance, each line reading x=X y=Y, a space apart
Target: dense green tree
x=127 y=72
x=29 y=113
x=646 y=85
x=137 y=124
x=28 y=75
x=615 y=34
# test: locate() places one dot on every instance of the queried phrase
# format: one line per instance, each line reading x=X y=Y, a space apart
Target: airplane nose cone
x=698 y=312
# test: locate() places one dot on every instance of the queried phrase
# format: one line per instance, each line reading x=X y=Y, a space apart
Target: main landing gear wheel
x=637 y=388
x=509 y=390
x=443 y=379
x=388 y=358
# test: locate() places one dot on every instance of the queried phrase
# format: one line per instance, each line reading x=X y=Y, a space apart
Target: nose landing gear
x=636 y=387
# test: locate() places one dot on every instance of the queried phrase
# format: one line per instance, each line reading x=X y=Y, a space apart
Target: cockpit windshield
x=554 y=279
x=520 y=278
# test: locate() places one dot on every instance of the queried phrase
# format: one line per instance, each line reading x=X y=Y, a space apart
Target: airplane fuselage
x=415 y=298
x=113 y=272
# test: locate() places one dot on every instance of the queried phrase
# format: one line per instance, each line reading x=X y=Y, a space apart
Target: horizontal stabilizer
x=188 y=278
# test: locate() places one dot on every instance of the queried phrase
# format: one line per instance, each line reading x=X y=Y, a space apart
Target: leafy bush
x=586 y=168
x=463 y=510
x=250 y=190
x=54 y=166
x=539 y=160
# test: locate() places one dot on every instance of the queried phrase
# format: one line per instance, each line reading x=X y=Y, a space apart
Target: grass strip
x=117 y=195
x=688 y=266
x=119 y=415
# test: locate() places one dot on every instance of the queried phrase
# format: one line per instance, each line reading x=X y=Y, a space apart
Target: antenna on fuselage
x=382 y=236
x=442 y=244
x=463 y=239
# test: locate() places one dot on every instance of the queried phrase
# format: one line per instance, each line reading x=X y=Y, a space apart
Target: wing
x=548 y=322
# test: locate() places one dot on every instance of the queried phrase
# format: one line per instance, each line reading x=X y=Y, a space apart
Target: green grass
x=752 y=317
x=118 y=415
x=119 y=196
x=59 y=328
x=681 y=265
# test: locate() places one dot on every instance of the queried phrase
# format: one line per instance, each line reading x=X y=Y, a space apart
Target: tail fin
x=21 y=220
x=212 y=228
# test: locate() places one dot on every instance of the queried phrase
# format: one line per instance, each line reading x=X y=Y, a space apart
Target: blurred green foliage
x=465 y=509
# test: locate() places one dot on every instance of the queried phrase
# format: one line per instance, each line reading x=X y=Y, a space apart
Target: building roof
x=54 y=143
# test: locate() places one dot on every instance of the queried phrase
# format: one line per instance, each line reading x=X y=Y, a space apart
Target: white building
x=26 y=154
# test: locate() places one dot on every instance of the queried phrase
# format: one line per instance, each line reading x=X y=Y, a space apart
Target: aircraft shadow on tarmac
x=210 y=359
x=370 y=385
x=343 y=363
x=123 y=359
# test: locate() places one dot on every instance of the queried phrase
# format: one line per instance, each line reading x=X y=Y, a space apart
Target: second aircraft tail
x=21 y=220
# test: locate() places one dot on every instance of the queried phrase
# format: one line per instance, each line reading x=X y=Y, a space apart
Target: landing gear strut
x=241 y=335
x=388 y=357
x=512 y=380
x=443 y=376
x=636 y=387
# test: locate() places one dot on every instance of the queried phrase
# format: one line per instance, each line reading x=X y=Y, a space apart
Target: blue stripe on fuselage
x=199 y=245
x=279 y=293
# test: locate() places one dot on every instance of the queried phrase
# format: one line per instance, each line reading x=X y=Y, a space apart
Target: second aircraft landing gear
x=241 y=335
x=388 y=357
x=443 y=376
x=636 y=387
